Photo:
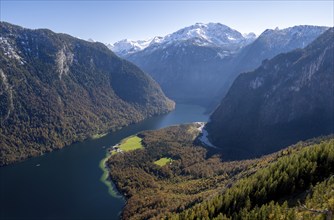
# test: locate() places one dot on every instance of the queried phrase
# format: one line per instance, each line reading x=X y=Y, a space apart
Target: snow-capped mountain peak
x=130 y=46
x=127 y=46
x=211 y=34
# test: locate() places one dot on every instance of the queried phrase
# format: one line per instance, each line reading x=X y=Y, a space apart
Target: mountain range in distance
x=202 y=60
x=211 y=34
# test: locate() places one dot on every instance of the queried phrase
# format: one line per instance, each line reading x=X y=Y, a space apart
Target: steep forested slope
x=268 y=45
x=287 y=99
x=56 y=89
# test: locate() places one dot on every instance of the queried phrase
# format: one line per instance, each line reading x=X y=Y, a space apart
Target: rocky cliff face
x=286 y=99
x=56 y=89
x=269 y=44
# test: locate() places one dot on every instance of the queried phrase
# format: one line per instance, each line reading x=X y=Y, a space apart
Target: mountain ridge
x=287 y=99
x=198 y=64
x=214 y=34
x=188 y=62
x=268 y=44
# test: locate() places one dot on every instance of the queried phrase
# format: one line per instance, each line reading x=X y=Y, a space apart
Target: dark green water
x=66 y=184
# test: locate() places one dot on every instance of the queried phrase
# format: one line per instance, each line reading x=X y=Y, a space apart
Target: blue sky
x=110 y=21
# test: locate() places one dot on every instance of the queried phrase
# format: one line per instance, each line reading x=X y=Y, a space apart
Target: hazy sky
x=110 y=21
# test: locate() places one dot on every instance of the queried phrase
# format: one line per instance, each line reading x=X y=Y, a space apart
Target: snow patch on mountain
x=130 y=46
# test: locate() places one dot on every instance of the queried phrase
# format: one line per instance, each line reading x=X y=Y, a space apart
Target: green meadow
x=129 y=144
x=163 y=161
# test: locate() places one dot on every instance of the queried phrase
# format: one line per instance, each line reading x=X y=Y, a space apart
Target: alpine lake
x=68 y=183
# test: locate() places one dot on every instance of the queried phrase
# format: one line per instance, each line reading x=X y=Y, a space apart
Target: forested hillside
x=195 y=183
x=56 y=89
x=273 y=192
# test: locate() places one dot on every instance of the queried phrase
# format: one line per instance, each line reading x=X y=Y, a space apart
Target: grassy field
x=130 y=143
x=163 y=161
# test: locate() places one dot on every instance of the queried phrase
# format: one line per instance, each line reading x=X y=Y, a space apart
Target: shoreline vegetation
x=105 y=178
x=174 y=176
x=127 y=144
x=97 y=136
